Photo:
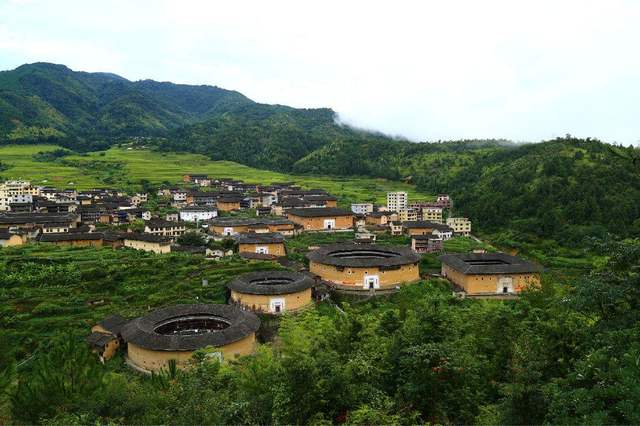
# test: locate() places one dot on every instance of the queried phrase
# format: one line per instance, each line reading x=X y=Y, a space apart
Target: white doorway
x=276 y=306
x=371 y=282
x=329 y=224
x=228 y=231
x=262 y=250
x=505 y=285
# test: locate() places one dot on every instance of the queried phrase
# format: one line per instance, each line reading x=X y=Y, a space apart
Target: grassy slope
x=101 y=169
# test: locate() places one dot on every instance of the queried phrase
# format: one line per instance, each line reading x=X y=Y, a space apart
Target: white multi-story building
x=460 y=225
x=362 y=208
x=397 y=201
x=195 y=214
x=16 y=191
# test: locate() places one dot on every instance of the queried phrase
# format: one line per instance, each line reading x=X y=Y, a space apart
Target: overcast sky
x=427 y=70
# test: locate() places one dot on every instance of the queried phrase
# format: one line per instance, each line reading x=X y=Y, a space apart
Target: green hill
x=565 y=187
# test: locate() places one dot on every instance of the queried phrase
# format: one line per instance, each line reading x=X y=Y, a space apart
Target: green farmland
x=125 y=168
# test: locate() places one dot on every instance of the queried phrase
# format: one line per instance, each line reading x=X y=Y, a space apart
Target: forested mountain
x=566 y=187
x=86 y=111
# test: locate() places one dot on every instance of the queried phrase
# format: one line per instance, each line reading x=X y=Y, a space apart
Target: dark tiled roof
x=113 y=236
x=271 y=282
x=99 y=340
x=198 y=209
x=246 y=222
x=363 y=255
x=159 y=223
x=257 y=256
x=113 y=324
x=319 y=212
x=67 y=236
x=141 y=331
x=260 y=238
x=24 y=218
x=422 y=224
x=150 y=238
x=489 y=263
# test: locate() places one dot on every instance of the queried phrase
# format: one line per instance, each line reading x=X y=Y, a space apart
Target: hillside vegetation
x=563 y=354
x=565 y=189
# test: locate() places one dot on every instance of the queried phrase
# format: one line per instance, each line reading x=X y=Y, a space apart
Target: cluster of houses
x=428 y=223
x=218 y=210
x=258 y=219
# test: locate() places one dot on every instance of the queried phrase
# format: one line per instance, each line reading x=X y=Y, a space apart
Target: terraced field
x=126 y=168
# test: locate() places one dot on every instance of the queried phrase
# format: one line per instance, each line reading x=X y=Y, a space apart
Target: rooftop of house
x=113 y=324
x=260 y=238
x=99 y=340
x=271 y=282
x=489 y=263
x=149 y=238
x=363 y=255
x=198 y=209
x=24 y=218
x=319 y=212
x=70 y=236
x=425 y=237
x=161 y=223
x=230 y=222
x=413 y=224
x=190 y=327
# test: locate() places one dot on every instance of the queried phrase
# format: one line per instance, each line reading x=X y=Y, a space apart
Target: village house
x=489 y=274
x=158 y=338
x=271 y=244
x=322 y=219
x=16 y=191
x=12 y=238
x=147 y=242
x=362 y=208
x=428 y=210
x=106 y=338
x=139 y=198
x=197 y=213
x=423 y=227
x=227 y=203
x=407 y=215
x=232 y=226
x=48 y=222
x=164 y=228
x=395 y=227
x=272 y=292
x=364 y=267
x=427 y=243
x=444 y=201
x=179 y=195
x=460 y=225
x=201 y=198
x=73 y=239
x=380 y=218
x=397 y=201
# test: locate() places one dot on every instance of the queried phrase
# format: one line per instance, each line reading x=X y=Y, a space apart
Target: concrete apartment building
x=362 y=208
x=397 y=201
x=16 y=191
x=460 y=225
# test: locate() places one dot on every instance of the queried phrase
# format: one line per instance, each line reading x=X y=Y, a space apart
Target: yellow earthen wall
x=317 y=223
x=276 y=249
x=355 y=276
x=259 y=302
x=479 y=284
x=156 y=360
x=227 y=207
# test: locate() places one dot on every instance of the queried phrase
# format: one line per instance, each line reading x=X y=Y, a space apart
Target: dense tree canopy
x=565 y=354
